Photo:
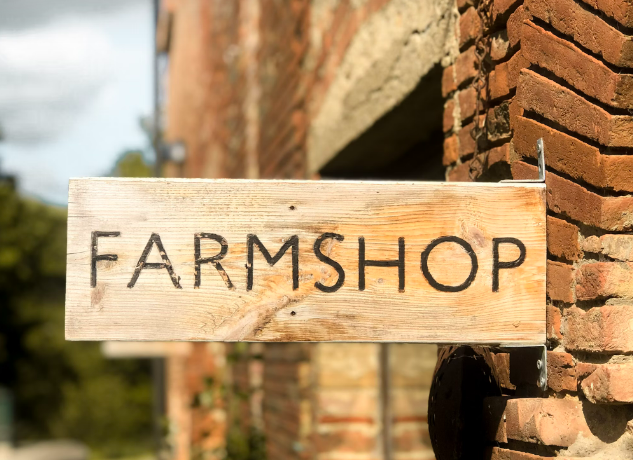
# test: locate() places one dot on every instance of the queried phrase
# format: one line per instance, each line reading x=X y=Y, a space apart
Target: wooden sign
x=124 y=350
x=229 y=260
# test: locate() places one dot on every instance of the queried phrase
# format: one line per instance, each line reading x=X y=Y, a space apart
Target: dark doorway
x=406 y=143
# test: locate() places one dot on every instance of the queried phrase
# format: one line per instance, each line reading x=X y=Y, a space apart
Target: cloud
x=21 y=14
x=48 y=77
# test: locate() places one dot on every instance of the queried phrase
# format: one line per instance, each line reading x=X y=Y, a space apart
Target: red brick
x=287 y=352
x=616 y=213
x=494 y=421
x=467 y=102
x=605 y=329
x=618 y=172
x=584 y=370
x=466 y=141
x=499 y=120
x=504 y=78
x=573 y=157
x=465 y=66
x=553 y=422
x=451 y=150
x=604 y=279
x=559 y=281
x=463 y=4
x=562 y=239
x=515 y=23
x=620 y=10
x=619 y=247
x=577 y=68
x=561 y=372
x=553 y=320
x=448 y=81
x=449 y=119
x=554 y=102
x=592 y=244
x=349 y=439
x=412 y=439
x=563 y=196
x=573 y=200
x=460 y=173
x=496 y=155
x=586 y=28
x=498 y=453
x=469 y=26
x=501 y=8
x=515 y=111
x=610 y=383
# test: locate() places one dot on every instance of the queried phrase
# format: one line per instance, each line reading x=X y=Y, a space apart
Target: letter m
x=293 y=242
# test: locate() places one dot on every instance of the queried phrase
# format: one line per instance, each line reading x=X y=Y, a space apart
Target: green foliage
x=132 y=164
x=60 y=389
x=245 y=446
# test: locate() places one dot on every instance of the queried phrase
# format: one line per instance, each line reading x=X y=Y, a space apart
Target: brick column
x=560 y=70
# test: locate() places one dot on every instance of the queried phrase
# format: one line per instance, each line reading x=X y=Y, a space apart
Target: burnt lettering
x=293 y=241
x=362 y=263
x=498 y=265
x=323 y=258
x=95 y=257
x=154 y=239
x=424 y=265
x=215 y=260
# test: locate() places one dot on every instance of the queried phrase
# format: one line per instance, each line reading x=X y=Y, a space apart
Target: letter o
x=424 y=265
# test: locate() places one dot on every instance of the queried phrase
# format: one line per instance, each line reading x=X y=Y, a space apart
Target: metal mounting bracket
x=528 y=364
x=540 y=148
x=541 y=365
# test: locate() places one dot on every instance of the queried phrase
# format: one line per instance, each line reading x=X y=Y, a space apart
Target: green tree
x=131 y=163
x=60 y=389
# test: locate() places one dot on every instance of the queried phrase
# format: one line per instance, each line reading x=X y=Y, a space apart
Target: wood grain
x=125 y=350
x=160 y=307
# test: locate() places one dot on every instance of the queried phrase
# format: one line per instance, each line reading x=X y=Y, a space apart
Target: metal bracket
x=541 y=364
x=528 y=365
x=540 y=148
x=538 y=353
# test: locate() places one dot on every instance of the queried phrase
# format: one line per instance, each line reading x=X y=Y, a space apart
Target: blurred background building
x=302 y=89
x=309 y=89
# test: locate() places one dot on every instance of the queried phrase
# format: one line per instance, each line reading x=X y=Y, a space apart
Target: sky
x=75 y=79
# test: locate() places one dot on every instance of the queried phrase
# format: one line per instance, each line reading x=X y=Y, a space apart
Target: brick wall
x=410 y=374
x=195 y=404
x=330 y=401
x=347 y=389
x=302 y=45
x=284 y=43
x=211 y=94
x=287 y=404
x=561 y=70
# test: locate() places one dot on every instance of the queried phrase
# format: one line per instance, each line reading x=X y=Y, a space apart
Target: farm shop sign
x=154 y=259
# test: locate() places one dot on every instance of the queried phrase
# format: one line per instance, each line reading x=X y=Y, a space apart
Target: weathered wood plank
x=114 y=350
x=302 y=297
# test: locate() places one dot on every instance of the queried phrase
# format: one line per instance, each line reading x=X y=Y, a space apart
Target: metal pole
x=385 y=400
x=158 y=402
x=156 y=124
